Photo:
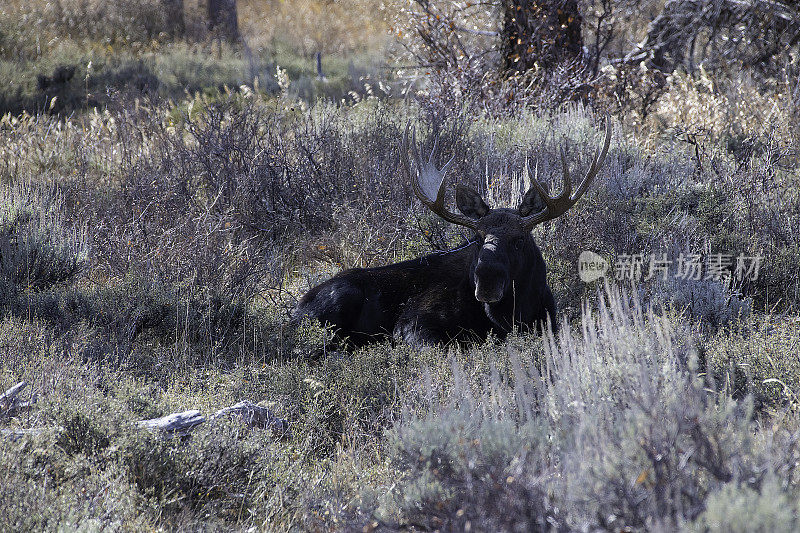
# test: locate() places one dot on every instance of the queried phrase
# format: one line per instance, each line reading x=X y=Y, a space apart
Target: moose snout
x=488 y=296
x=490 y=283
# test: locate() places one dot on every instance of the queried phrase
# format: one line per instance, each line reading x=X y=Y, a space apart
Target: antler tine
x=404 y=154
x=567 y=190
x=433 y=152
x=557 y=206
x=597 y=162
x=426 y=170
x=438 y=202
x=537 y=184
x=415 y=149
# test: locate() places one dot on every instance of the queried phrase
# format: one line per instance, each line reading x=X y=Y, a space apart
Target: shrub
x=749 y=358
x=614 y=430
x=37 y=247
x=208 y=218
x=138 y=21
x=710 y=303
x=742 y=509
x=54 y=492
x=80 y=434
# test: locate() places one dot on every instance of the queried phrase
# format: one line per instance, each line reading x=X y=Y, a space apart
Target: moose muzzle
x=491 y=275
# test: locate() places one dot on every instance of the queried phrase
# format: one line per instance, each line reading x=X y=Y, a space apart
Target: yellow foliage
x=308 y=26
x=328 y=26
x=737 y=107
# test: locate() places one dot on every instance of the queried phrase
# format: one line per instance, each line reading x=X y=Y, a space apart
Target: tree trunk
x=173 y=11
x=223 y=19
x=540 y=33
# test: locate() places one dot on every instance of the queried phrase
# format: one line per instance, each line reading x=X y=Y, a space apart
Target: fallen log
x=15 y=434
x=182 y=423
x=255 y=416
x=175 y=424
x=9 y=397
x=10 y=402
x=171 y=425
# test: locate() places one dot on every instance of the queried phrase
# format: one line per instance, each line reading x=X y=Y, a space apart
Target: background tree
x=505 y=53
x=174 y=15
x=223 y=19
x=540 y=34
x=714 y=33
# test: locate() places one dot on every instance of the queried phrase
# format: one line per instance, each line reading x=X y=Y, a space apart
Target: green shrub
x=751 y=358
x=80 y=434
x=737 y=509
x=43 y=489
x=37 y=247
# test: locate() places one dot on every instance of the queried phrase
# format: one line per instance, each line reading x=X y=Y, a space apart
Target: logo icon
x=591 y=266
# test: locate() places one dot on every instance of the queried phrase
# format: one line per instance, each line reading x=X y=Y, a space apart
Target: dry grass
x=150 y=251
x=312 y=26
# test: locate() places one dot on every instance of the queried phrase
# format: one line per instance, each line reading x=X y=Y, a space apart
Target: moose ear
x=470 y=202
x=531 y=203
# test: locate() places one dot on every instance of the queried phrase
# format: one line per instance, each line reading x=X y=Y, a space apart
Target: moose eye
x=518 y=242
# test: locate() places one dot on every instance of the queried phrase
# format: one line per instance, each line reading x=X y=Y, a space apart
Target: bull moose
x=492 y=283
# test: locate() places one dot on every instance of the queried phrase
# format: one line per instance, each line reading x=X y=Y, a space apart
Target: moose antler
x=428 y=180
x=557 y=206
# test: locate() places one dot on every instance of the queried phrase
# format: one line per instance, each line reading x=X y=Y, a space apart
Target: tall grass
x=612 y=428
x=37 y=247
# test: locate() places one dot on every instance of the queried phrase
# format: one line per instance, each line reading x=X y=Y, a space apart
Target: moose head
x=505 y=233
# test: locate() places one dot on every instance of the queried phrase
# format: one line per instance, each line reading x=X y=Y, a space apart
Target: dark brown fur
x=494 y=283
x=459 y=295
